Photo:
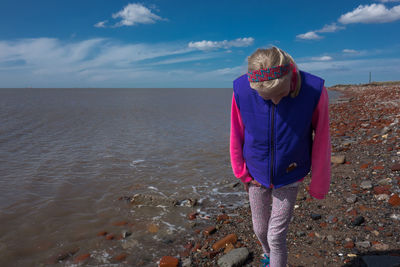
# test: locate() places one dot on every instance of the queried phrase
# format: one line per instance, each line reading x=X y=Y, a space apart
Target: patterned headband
x=268 y=73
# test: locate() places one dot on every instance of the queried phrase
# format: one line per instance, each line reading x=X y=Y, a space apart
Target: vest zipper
x=272 y=143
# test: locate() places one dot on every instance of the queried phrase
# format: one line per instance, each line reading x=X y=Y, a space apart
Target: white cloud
x=374 y=13
x=101 y=24
x=133 y=14
x=49 y=62
x=322 y=58
x=312 y=35
x=389 y=1
x=210 y=45
x=333 y=27
x=309 y=36
x=350 y=51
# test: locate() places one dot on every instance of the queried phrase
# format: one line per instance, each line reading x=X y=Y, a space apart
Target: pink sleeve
x=321 y=150
x=236 y=145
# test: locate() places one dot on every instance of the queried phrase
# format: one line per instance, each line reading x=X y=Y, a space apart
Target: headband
x=269 y=73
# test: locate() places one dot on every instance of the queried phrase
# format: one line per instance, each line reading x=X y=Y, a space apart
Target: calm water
x=67 y=155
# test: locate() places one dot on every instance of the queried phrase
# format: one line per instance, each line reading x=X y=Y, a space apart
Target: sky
x=191 y=44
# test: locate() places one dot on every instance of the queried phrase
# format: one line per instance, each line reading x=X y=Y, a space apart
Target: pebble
x=380 y=246
x=339 y=159
x=358 y=221
x=315 y=216
x=382 y=197
x=394 y=200
x=396 y=167
x=300 y=233
x=395 y=216
x=168 y=261
x=234 y=258
x=330 y=238
x=385 y=181
x=366 y=185
x=363 y=244
x=231 y=238
x=351 y=199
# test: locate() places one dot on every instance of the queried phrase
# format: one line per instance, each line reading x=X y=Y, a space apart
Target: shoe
x=265 y=261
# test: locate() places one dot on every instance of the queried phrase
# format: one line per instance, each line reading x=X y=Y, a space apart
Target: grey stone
x=366 y=185
x=382 y=197
x=363 y=244
x=300 y=233
x=351 y=199
x=358 y=221
x=378 y=261
x=385 y=181
x=330 y=238
x=186 y=262
x=339 y=159
x=315 y=216
x=385 y=130
x=395 y=216
x=234 y=258
x=130 y=243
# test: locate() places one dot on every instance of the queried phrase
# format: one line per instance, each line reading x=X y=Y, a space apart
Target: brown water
x=67 y=155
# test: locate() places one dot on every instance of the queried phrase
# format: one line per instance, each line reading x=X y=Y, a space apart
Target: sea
x=71 y=159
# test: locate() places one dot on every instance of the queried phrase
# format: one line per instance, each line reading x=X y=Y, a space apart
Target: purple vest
x=278 y=138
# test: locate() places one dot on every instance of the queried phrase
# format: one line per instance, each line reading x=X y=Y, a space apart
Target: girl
x=275 y=111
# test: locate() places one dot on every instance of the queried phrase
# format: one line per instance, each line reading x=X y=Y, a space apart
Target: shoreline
x=361 y=214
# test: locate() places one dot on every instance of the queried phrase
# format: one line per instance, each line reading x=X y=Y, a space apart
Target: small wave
x=135 y=162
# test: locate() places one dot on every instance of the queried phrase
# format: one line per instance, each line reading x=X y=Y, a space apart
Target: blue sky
x=159 y=43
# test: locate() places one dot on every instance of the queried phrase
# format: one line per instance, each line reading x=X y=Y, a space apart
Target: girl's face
x=277 y=94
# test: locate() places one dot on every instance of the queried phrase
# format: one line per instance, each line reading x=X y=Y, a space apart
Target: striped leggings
x=271 y=224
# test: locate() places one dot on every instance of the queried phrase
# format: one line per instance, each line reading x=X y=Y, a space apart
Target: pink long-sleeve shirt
x=321 y=149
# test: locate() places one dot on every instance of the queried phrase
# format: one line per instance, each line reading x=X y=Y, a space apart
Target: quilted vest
x=278 y=138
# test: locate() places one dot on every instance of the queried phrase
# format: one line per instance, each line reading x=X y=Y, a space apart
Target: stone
x=380 y=246
x=381 y=260
x=228 y=248
x=351 y=199
x=234 y=258
x=395 y=216
x=358 y=221
x=152 y=228
x=231 y=238
x=193 y=215
x=125 y=234
x=168 y=261
x=120 y=257
x=338 y=159
x=110 y=236
x=222 y=217
x=395 y=167
x=209 y=230
x=349 y=244
x=300 y=233
x=186 y=262
x=130 y=243
x=315 y=216
x=394 y=200
x=382 y=197
x=330 y=238
x=385 y=181
x=382 y=189
x=363 y=244
x=82 y=258
x=366 y=185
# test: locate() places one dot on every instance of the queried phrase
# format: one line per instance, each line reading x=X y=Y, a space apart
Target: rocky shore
x=358 y=224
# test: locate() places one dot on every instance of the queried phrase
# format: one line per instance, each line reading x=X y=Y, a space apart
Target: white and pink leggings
x=271 y=224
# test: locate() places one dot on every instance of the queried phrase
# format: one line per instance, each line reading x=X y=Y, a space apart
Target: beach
x=360 y=217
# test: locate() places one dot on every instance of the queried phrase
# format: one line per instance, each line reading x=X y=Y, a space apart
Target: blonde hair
x=266 y=58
